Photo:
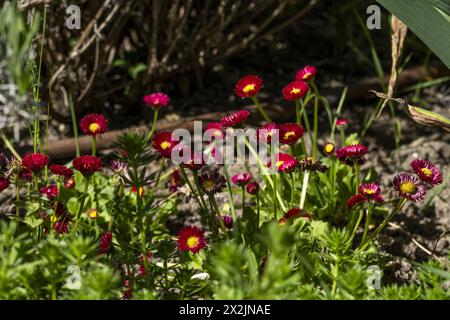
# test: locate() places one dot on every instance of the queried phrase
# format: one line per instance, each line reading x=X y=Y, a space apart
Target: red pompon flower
x=35 y=161
x=191 y=239
x=235 y=118
x=241 y=179
x=163 y=143
x=105 y=242
x=50 y=191
x=212 y=183
x=61 y=226
x=214 y=129
x=409 y=187
x=306 y=74
x=4 y=183
x=157 y=100
x=268 y=130
x=286 y=163
x=253 y=188
x=342 y=123
x=371 y=191
x=295 y=90
x=427 y=171
x=228 y=221
x=248 y=86
x=174 y=182
x=87 y=165
x=291 y=133
x=356 y=200
x=60 y=170
x=141 y=191
x=94 y=124
x=352 y=153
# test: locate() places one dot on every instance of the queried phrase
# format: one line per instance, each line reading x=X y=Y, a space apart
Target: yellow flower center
x=141 y=191
x=208 y=185
x=307 y=75
x=427 y=172
x=94 y=127
x=279 y=164
x=408 y=187
x=165 y=145
x=295 y=91
x=329 y=148
x=369 y=191
x=249 y=87
x=192 y=241
x=53 y=218
x=92 y=213
x=289 y=134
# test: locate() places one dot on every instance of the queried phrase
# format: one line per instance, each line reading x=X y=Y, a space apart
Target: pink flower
x=241 y=179
x=427 y=171
x=248 y=86
x=295 y=90
x=157 y=100
x=306 y=74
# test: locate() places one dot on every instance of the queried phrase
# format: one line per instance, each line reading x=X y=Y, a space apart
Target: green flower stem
x=74 y=125
x=199 y=188
x=94 y=146
x=306 y=120
x=183 y=173
x=358 y=222
x=258 y=212
x=304 y=189
x=85 y=195
x=366 y=224
x=299 y=122
x=275 y=207
x=36 y=181
x=342 y=134
x=316 y=118
x=153 y=128
x=261 y=109
x=368 y=242
x=335 y=276
x=356 y=167
x=230 y=191
x=213 y=203
x=243 y=198
x=292 y=176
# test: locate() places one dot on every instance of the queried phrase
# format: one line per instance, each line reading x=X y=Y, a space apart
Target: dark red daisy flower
x=306 y=74
x=293 y=214
x=174 y=182
x=371 y=191
x=295 y=90
x=214 y=129
x=241 y=179
x=285 y=164
x=253 y=188
x=87 y=165
x=235 y=118
x=427 y=171
x=228 y=221
x=352 y=153
x=61 y=170
x=69 y=183
x=163 y=143
x=409 y=187
x=342 y=123
x=212 y=183
x=191 y=239
x=268 y=130
x=35 y=161
x=61 y=226
x=26 y=174
x=50 y=191
x=157 y=100
x=356 y=200
x=196 y=161
x=4 y=183
x=248 y=86
x=105 y=242
x=291 y=133
x=329 y=148
x=94 y=124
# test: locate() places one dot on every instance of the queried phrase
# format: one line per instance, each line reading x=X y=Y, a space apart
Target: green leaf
x=428 y=19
